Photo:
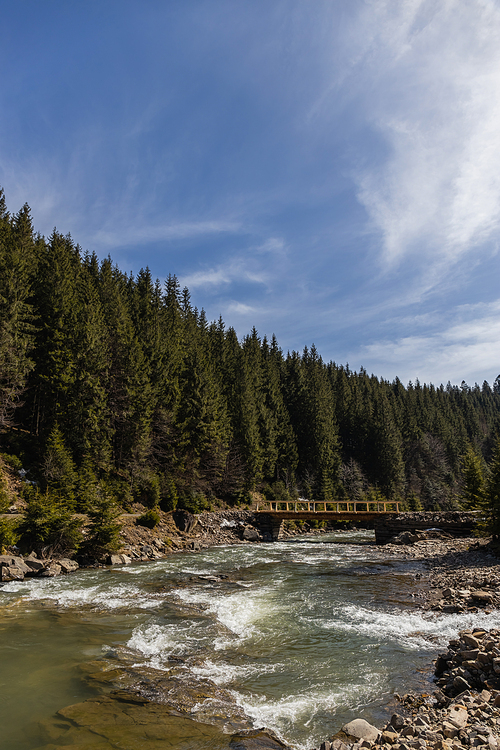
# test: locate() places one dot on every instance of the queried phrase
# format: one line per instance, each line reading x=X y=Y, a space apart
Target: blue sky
x=326 y=171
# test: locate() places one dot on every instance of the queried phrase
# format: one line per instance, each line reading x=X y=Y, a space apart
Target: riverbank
x=463 y=709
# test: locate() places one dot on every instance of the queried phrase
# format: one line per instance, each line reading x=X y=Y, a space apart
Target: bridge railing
x=317 y=506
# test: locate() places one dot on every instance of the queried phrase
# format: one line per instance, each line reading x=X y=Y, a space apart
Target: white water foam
x=98 y=596
x=296 y=713
x=224 y=674
x=412 y=629
x=239 y=612
x=154 y=640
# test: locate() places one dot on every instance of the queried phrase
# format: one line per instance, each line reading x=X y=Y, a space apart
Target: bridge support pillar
x=276 y=526
x=270 y=527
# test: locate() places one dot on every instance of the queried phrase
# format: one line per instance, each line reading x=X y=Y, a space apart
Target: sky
x=326 y=171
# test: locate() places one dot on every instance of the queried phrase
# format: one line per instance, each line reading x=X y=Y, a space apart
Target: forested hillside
x=119 y=383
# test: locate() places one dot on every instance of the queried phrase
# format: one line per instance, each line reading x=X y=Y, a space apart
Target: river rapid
x=298 y=636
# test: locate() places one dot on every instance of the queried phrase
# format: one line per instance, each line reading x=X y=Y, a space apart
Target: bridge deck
x=304 y=509
x=325 y=515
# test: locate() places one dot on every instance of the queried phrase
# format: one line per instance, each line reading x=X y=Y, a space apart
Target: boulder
x=256 y=739
x=251 y=534
x=68 y=566
x=14 y=560
x=34 y=564
x=53 y=569
x=11 y=573
x=184 y=520
x=482 y=597
x=119 y=560
x=361 y=730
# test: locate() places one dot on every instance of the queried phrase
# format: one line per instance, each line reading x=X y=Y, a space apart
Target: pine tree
x=17 y=262
x=493 y=490
x=473 y=492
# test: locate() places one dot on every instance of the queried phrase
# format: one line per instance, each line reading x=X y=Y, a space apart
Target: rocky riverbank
x=464 y=711
x=460 y=575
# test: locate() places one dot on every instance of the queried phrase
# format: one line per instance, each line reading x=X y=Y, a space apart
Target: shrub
x=103 y=529
x=8 y=533
x=48 y=526
x=147 y=491
x=14 y=462
x=150 y=519
x=4 y=494
x=194 y=502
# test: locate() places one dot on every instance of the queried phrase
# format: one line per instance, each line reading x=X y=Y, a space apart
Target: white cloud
x=238 y=308
x=428 y=75
x=468 y=349
x=154 y=233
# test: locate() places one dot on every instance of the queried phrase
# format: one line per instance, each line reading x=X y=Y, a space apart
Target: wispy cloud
x=145 y=233
x=458 y=351
x=429 y=75
x=254 y=266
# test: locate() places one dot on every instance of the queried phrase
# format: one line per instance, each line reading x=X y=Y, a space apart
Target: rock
x=361 y=730
x=14 y=560
x=459 y=684
x=390 y=737
x=67 y=565
x=469 y=640
x=51 y=570
x=337 y=744
x=256 y=739
x=449 y=730
x=458 y=716
x=251 y=534
x=11 y=573
x=119 y=560
x=484 y=597
x=184 y=520
x=35 y=565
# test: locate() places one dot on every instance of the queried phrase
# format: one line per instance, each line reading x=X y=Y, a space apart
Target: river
x=298 y=636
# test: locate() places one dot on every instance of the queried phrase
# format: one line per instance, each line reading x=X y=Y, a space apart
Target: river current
x=302 y=636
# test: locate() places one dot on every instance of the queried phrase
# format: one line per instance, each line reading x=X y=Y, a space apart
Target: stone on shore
x=119 y=560
x=361 y=730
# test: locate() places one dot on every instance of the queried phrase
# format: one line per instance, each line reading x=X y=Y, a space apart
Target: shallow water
x=303 y=634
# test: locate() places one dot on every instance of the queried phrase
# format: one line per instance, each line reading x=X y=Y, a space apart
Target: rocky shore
x=178 y=531
x=464 y=711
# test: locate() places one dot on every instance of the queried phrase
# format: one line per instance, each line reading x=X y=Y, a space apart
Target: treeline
x=119 y=382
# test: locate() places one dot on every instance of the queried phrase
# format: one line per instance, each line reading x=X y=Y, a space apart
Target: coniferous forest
x=117 y=386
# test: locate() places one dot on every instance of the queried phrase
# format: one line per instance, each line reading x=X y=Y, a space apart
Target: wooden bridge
x=386 y=517
x=309 y=509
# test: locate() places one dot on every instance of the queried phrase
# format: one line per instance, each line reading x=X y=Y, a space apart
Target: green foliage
x=48 y=525
x=150 y=519
x=315 y=524
x=103 y=528
x=58 y=467
x=13 y=462
x=120 y=387
x=474 y=485
x=4 y=494
x=9 y=534
x=413 y=503
x=194 y=502
x=169 y=496
x=147 y=490
x=276 y=492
